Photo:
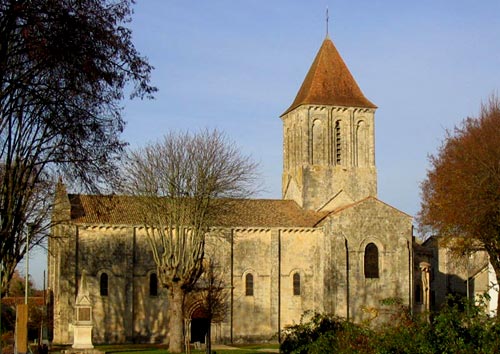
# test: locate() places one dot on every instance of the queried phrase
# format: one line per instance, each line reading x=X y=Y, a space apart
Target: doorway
x=199 y=326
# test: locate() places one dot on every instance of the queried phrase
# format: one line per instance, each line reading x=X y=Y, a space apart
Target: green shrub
x=459 y=327
x=407 y=337
x=325 y=333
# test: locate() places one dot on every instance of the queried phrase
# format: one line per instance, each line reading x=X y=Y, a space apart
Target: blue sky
x=237 y=65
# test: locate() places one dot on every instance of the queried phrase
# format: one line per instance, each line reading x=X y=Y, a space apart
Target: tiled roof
x=119 y=210
x=329 y=82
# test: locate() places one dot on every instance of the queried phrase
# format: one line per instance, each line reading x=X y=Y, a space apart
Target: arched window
x=317 y=142
x=153 y=285
x=296 y=284
x=338 y=143
x=361 y=144
x=103 y=284
x=249 y=285
x=371 y=261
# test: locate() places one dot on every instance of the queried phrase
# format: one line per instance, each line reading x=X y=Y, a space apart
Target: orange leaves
x=461 y=195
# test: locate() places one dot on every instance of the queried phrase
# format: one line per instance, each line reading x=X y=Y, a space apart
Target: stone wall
x=328 y=150
x=450 y=270
x=353 y=294
x=272 y=256
x=318 y=256
x=128 y=312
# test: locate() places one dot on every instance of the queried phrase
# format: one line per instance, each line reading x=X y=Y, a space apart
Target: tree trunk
x=176 y=319
x=209 y=337
x=497 y=276
x=495 y=262
x=498 y=298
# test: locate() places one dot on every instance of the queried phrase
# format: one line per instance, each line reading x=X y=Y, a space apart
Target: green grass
x=218 y=351
x=131 y=348
x=162 y=349
x=250 y=348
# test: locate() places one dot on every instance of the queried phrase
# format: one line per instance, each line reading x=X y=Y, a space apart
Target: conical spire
x=329 y=82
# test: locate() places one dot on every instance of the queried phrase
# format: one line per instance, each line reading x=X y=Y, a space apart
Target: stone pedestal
x=82 y=337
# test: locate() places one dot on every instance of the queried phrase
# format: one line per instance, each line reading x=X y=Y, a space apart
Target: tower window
x=338 y=143
x=371 y=261
x=317 y=143
x=103 y=284
x=249 y=285
x=153 y=284
x=296 y=284
x=361 y=156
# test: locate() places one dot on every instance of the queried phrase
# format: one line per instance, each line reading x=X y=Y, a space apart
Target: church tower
x=329 y=138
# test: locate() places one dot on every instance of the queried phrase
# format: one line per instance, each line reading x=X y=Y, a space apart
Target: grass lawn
x=159 y=349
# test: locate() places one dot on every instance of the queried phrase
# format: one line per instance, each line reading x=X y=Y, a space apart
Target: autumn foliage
x=461 y=195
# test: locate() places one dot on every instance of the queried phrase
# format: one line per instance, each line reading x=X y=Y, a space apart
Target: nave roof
x=120 y=210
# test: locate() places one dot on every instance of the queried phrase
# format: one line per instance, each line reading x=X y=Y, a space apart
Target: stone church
x=329 y=245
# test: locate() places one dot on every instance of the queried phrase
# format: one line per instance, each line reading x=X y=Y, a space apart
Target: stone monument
x=82 y=337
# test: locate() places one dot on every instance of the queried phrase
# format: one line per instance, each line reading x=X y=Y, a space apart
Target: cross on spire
x=327 y=18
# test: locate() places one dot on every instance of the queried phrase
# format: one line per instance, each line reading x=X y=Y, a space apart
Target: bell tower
x=329 y=138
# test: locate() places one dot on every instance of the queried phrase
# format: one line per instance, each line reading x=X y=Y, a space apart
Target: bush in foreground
x=326 y=333
x=459 y=327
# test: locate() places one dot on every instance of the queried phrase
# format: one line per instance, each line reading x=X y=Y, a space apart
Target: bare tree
x=63 y=69
x=461 y=195
x=212 y=294
x=177 y=184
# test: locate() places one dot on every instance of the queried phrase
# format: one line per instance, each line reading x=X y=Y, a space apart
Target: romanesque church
x=329 y=245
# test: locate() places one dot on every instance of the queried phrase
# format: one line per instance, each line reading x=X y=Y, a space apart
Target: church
x=329 y=245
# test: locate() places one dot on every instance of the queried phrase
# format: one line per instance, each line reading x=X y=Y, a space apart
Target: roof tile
x=119 y=210
x=329 y=82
